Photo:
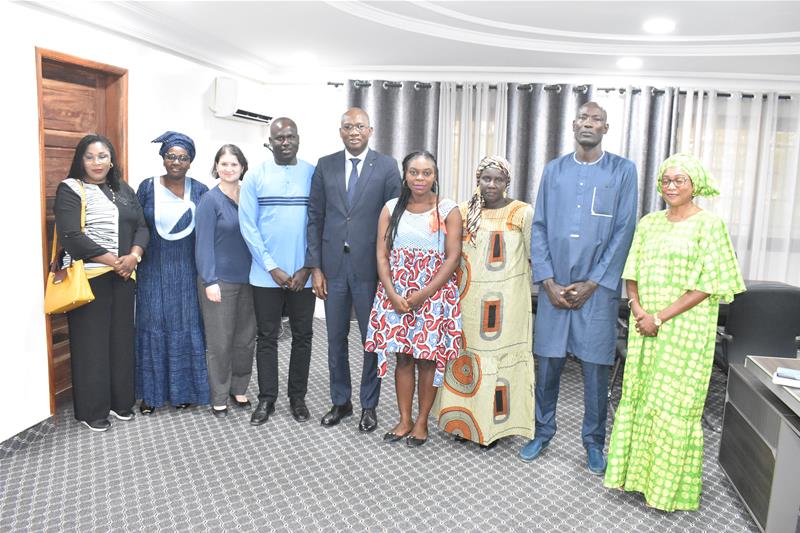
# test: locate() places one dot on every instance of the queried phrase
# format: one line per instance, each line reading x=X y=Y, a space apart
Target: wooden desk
x=760 y=444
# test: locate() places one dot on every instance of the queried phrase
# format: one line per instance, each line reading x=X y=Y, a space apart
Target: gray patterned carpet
x=188 y=471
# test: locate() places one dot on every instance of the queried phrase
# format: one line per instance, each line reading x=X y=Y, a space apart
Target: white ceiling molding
x=481 y=21
x=672 y=49
x=195 y=31
x=134 y=21
x=152 y=18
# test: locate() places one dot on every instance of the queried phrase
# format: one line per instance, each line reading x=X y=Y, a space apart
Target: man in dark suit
x=348 y=191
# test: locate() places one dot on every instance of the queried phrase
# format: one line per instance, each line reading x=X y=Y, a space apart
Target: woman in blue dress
x=170 y=348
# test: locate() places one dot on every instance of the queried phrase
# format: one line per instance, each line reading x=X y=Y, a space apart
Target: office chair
x=764 y=320
x=621 y=351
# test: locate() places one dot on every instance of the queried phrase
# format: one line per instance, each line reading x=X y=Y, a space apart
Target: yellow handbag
x=67 y=288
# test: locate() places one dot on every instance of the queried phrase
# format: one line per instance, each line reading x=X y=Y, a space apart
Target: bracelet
x=630 y=302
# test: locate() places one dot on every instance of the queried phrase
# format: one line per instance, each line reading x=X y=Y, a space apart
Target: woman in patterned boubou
x=416 y=313
x=170 y=343
x=680 y=265
x=488 y=390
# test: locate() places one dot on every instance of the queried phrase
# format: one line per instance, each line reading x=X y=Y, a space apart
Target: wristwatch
x=656 y=320
x=137 y=256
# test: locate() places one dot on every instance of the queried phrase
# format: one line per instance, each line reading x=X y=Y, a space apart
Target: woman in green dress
x=680 y=265
x=488 y=389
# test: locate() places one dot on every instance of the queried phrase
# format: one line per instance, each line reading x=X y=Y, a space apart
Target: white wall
x=166 y=92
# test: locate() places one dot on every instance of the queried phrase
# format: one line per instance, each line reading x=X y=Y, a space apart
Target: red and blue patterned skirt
x=432 y=332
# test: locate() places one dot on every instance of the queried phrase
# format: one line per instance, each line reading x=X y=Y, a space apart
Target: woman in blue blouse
x=170 y=351
x=226 y=298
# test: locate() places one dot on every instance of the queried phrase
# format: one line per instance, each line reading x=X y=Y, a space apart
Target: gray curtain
x=649 y=130
x=405 y=115
x=539 y=129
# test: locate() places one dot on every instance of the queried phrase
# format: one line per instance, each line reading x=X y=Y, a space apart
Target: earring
x=505 y=192
x=111 y=165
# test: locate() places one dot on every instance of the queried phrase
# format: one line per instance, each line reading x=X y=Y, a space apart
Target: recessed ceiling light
x=658 y=26
x=629 y=63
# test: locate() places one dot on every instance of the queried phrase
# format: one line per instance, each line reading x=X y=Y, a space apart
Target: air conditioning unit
x=230 y=99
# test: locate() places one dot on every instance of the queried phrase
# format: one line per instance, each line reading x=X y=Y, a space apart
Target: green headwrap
x=702 y=182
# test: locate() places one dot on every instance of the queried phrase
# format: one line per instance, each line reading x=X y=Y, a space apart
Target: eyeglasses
x=101 y=158
x=680 y=181
x=181 y=158
x=351 y=127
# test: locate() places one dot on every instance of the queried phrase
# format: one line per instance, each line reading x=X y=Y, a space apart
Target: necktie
x=351 y=183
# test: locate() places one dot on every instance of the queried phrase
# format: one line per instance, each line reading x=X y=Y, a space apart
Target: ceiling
x=742 y=42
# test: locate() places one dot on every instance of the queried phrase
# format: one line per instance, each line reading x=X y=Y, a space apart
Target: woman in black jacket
x=111 y=244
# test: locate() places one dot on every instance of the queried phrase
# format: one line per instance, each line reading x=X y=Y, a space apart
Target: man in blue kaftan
x=582 y=228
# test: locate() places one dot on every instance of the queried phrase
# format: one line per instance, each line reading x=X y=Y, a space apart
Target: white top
x=414 y=229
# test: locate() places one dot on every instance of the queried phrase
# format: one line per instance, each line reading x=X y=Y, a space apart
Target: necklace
x=113 y=194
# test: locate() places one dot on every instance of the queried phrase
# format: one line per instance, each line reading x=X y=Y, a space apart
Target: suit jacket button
x=348 y=219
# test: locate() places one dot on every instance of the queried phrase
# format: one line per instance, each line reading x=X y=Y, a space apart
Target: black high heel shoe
x=146 y=409
x=183 y=406
x=237 y=403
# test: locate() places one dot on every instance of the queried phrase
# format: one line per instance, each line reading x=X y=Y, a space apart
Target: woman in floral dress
x=680 y=266
x=416 y=314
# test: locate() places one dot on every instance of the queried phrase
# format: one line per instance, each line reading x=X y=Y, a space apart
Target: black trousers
x=269 y=303
x=101 y=349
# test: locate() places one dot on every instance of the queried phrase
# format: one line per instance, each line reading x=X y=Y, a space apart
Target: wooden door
x=76 y=97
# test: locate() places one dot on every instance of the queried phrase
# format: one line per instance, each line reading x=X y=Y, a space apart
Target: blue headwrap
x=172 y=138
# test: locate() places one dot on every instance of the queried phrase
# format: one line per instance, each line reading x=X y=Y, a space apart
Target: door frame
x=120 y=88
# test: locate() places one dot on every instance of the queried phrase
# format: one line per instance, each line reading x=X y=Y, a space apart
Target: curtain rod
x=636 y=90
x=360 y=84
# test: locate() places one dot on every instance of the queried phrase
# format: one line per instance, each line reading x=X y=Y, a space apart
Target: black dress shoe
x=299 y=410
x=220 y=413
x=337 y=412
x=262 y=412
x=146 y=409
x=183 y=406
x=237 y=403
x=369 y=420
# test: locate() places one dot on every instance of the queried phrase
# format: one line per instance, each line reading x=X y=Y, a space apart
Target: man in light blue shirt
x=273 y=214
x=582 y=228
